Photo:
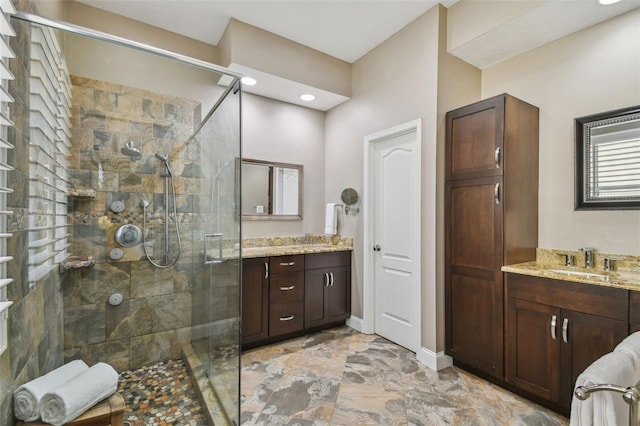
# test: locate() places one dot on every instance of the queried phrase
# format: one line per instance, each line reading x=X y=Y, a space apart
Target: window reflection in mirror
x=608 y=160
x=271 y=190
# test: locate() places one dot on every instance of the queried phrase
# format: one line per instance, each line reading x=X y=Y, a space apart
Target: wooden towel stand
x=109 y=411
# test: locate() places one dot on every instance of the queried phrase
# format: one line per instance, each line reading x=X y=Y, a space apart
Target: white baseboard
x=355 y=323
x=435 y=361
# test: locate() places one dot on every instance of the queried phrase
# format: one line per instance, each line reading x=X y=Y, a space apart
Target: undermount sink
x=581 y=274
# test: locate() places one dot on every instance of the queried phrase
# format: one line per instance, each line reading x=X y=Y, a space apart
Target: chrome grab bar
x=630 y=395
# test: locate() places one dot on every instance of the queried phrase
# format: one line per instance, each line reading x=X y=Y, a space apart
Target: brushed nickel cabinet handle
x=326 y=279
x=266 y=270
x=565 y=329
x=289 y=318
x=496 y=193
x=553 y=327
x=497 y=157
x=287 y=263
x=291 y=287
x=331 y=275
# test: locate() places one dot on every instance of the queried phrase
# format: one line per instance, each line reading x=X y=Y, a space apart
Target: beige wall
x=98 y=19
x=286 y=133
x=264 y=51
x=397 y=82
x=591 y=71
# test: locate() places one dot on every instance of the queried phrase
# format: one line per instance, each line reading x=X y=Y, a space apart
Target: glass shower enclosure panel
x=144 y=143
x=216 y=295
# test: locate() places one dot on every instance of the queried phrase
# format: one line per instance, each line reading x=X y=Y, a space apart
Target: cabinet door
x=533 y=348
x=473 y=290
x=327 y=296
x=587 y=338
x=255 y=299
x=474 y=139
x=316 y=282
x=338 y=294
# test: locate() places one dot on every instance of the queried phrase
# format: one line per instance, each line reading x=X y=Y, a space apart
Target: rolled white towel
x=79 y=394
x=26 y=399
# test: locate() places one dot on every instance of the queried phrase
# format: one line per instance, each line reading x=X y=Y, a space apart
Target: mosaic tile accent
x=160 y=394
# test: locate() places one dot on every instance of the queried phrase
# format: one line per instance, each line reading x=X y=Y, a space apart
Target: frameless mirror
x=608 y=160
x=271 y=190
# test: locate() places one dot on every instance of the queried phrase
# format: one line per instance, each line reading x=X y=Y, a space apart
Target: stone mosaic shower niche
x=123 y=121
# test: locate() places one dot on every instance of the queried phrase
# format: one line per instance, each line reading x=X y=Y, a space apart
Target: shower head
x=161 y=157
x=131 y=151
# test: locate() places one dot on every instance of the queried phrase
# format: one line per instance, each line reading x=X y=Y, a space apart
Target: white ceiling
x=345 y=29
x=349 y=29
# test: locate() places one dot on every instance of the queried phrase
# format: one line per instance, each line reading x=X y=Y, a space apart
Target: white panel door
x=396 y=239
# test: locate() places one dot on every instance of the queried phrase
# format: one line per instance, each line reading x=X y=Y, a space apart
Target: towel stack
x=63 y=394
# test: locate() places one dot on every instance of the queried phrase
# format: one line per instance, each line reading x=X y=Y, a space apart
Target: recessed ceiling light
x=607 y=2
x=307 y=97
x=248 y=81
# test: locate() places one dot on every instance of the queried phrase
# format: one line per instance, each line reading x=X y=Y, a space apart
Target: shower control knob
x=115 y=299
x=116 y=254
x=117 y=206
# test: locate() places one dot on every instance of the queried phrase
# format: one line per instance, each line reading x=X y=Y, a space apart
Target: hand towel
x=631 y=345
x=604 y=408
x=26 y=399
x=73 y=398
x=331 y=220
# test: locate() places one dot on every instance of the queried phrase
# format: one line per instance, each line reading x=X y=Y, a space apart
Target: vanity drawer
x=286 y=287
x=328 y=260
x=285 y=318
x=279 y=264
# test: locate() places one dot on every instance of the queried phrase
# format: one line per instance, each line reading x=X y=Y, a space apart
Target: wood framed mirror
x=608 y=160
x=271 y=190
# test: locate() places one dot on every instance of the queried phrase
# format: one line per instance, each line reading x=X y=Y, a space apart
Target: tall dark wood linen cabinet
x=491 y=220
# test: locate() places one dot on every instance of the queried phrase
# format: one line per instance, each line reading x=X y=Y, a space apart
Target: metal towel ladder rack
x=630 y=395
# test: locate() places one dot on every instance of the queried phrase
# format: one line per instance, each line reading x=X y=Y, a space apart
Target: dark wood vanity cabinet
x=255 y=299
x=283 y=296
x=491 y=206
x=327 y=288
x=556 y=329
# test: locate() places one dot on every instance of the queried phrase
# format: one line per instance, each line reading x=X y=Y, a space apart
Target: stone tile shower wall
x=154 y=321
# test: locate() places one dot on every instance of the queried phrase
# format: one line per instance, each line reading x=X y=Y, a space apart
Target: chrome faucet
x=588 y=257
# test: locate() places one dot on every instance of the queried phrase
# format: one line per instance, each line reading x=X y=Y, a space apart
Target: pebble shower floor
x=160 y=394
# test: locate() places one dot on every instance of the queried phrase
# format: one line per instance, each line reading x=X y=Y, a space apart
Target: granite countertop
x=625 y=279
x=249 y=252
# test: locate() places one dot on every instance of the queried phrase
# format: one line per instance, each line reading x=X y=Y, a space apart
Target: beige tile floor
x=342 y=377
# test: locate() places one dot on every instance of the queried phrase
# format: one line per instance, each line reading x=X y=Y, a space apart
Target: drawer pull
x=497 y=157
x=565 y=329
x=289 y=318
x=266 y=270
x=331 y=275
x=287 y=263
x=291 y=287
x=496 y=193
x=553 y=327
x=326 y=279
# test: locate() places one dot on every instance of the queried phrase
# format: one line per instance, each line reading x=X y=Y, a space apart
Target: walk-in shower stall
x=125 y=164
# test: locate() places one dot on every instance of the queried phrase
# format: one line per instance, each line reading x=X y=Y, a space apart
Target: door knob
x=377 y=247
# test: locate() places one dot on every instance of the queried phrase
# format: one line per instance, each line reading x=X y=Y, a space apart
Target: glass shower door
x=217 y=265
